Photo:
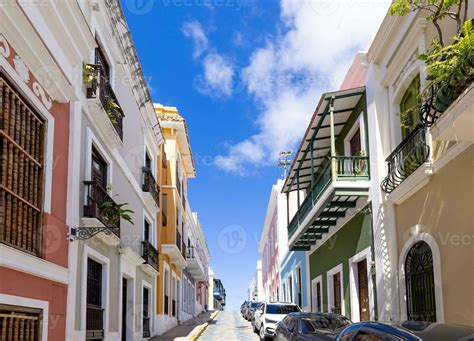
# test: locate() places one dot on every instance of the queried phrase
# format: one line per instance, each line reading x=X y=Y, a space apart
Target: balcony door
x=355 y=144
x=98 y=169
x=410 y=108
x=101 y=61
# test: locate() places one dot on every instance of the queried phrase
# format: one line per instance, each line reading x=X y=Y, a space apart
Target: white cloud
x=194 y=31
x=217 y=77
x=287 y=75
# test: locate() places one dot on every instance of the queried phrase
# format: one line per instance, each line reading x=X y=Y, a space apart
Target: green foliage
x=113 y=110
x=437 y=9
x=452 y=62
x=114 y=212
x=88 y=73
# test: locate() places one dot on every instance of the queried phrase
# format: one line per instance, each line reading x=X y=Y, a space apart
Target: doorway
x=363 y=288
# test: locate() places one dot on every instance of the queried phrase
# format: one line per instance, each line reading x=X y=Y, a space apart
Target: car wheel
x=255 y=330
x=262 y=333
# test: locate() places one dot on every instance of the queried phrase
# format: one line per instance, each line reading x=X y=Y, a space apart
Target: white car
x=267 y=315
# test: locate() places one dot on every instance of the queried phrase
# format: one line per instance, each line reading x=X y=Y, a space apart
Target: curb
x=199 y=330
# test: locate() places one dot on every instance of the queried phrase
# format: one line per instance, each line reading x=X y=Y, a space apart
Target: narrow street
x=229 y=325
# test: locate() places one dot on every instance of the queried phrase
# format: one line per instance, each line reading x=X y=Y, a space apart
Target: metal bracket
x=84 y=233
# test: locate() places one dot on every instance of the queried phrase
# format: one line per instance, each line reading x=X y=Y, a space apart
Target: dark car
x=243 y=306
x=251 y=310
x=407 y=331
x=311 y=326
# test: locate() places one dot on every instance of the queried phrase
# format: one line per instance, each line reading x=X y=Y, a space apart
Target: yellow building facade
x=175 y=166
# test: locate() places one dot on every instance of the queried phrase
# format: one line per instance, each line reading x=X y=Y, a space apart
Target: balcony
x=97 y=213
x=151 y=186
x=104 y=105
x=175 y=252
x=406 y=158
x=332 y=183
x=457 y=121
x=195 y=267
x=150 y=255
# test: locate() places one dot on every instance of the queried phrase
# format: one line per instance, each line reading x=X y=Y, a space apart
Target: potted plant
x=449 y=68
x=113 y=212
x=89 y=78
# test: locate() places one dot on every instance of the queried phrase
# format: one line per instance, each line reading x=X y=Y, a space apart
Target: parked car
x=268 y=315
x=244 y=309
x=251 y=310
x=243 y=306
x=310 y=326
x=407 y=331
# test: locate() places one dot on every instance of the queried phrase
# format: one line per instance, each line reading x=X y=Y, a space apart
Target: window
x=410 y=108
x=22 y=153
x=94 y=311
x=20 y=323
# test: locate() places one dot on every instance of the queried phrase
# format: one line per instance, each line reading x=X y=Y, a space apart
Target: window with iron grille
x=20 y=323
x=94 y=312
x=22 y=134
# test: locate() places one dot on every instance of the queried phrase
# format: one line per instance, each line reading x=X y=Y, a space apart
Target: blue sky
x=246 y=75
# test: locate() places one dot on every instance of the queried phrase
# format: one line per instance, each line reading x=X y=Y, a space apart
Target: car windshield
x=313 y=324
x=280 y=309
x=253 y=304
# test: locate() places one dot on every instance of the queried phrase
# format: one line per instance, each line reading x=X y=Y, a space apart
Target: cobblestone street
x=229 y=325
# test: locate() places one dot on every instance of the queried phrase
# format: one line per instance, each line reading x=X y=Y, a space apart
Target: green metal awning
x=317 y=139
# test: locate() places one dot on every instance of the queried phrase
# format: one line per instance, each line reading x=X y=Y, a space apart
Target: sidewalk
x=184 y=330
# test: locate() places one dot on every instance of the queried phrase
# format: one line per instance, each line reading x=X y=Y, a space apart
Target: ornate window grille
x=22 y=135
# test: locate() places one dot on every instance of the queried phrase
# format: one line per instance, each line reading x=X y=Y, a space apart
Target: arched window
x=410 y=108
x=420 y=287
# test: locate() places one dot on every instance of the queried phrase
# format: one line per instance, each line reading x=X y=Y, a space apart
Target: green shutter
x=409 y=106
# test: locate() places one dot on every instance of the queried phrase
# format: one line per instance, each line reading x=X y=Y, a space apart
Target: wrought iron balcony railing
x=97 y=197
x=179 y=242
x=345 y=168
x=441 y=96
x=100 y=87
x=150 y=254
x=190 y=253
x=406 y=158
x=150 y=185
x=183 y=250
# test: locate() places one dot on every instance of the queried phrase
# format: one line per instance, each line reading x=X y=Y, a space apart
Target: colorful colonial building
x=36 y=104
